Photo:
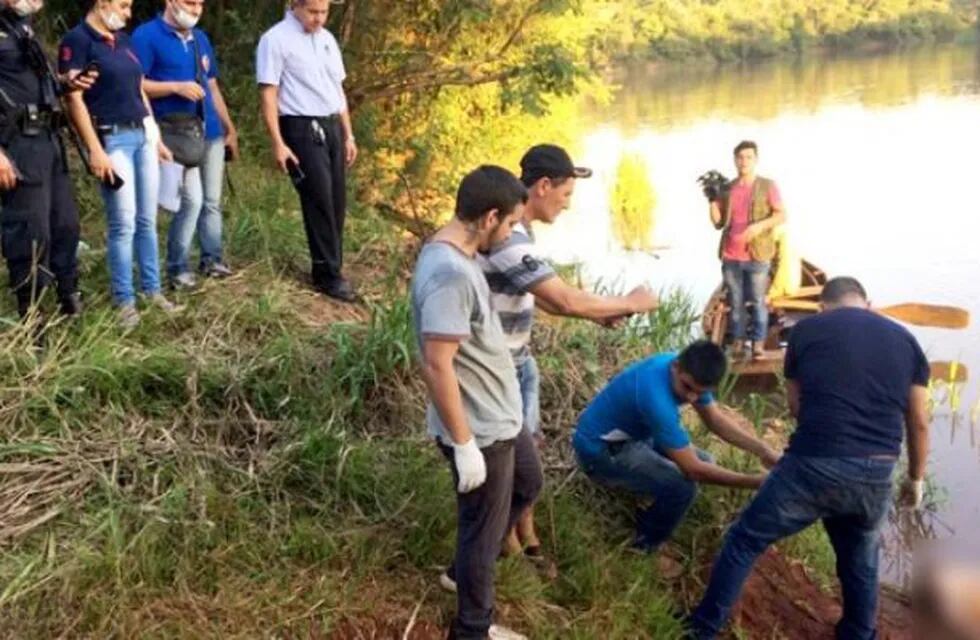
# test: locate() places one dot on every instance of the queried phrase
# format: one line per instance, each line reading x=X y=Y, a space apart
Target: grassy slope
x=256 y=467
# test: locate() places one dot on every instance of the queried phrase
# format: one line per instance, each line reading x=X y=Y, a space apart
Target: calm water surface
x=877 y=159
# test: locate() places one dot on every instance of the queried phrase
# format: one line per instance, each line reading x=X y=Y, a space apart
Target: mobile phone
x=91 y=67
x=229 y=156
x=114 y=182
x=295 y=172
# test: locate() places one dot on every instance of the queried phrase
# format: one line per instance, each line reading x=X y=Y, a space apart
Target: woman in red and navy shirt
x=123 y=144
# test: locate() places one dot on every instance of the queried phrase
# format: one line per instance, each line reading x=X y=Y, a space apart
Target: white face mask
x=25 y=8
x=183 y=18
x=113 y=21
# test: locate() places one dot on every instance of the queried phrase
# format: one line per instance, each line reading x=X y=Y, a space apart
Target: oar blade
x=928 y=315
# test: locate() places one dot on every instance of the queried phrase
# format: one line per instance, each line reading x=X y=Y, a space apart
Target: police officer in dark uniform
x=39 y=219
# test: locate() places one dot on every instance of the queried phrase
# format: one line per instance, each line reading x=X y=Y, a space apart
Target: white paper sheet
x=171 y=177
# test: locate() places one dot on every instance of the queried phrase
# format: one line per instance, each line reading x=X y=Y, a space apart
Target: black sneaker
x=340 y=289
x=71 y=305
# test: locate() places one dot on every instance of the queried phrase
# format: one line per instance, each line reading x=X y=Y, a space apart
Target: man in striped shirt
x=520 y=280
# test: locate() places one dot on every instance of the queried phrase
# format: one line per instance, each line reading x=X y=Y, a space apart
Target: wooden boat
x=784 y=311
x=794 y=294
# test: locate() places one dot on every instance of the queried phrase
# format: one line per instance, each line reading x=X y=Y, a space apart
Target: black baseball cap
x=549 y=161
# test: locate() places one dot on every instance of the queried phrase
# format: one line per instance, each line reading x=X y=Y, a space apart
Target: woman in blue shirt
x=123 y=144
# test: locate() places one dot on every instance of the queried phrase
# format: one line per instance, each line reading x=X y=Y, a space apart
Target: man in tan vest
x=747 y=215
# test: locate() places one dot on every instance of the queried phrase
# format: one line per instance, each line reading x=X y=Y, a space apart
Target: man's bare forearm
x=917 y=429
x=714 y=211
x=270 y=113
x=443 y=386
x=222 y=107
x=158 y=89
x=713 y=474
x=727 y=428
x=346 y=124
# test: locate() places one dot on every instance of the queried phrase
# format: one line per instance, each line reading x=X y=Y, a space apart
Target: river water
x=876 y=158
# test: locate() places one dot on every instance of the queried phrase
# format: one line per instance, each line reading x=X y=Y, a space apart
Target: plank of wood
x=794 y=305
x=771 y=363
x=812 y=291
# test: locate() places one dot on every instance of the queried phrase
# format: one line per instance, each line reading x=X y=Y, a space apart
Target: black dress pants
x=319 y=145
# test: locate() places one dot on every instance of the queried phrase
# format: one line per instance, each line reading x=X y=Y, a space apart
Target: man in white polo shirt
x=300 y=74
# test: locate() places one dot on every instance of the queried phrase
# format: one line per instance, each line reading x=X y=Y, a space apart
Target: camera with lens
x=714 y=185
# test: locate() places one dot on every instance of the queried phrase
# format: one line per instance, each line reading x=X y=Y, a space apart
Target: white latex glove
x=152 y=130
x=913 y=492
x=470 y=466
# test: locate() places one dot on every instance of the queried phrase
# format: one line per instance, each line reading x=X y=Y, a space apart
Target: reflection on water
x=876 y=161
x=767 y=90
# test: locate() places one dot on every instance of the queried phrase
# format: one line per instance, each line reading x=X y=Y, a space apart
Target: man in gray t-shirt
x=451 y=299
x=475 y=404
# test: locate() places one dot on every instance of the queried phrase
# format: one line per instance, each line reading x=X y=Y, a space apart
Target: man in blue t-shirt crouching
x=631 y=437
x=853 y=378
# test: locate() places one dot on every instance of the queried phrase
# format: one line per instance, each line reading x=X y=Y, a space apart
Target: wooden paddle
x=923 y=315
x=928 y=315
x=945 y=371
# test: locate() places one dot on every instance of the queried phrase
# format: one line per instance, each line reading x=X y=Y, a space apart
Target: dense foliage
x=439 y=86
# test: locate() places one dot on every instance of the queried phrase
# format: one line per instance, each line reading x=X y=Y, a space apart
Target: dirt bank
x=780 y=600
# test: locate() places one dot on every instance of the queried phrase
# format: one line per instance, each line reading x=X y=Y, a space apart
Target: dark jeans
x=850 y=495
x=644 y=470
x=747 y=283
x=485 y=515
x=323 y=192
x=39 y=220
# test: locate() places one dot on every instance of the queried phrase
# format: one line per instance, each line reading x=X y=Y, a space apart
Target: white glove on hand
x=470 y=466
x=913 y=492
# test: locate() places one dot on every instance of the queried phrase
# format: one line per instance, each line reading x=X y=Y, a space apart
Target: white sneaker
x=497 y=632
x=217 y=270
x=128 y=316
x=447 y=583
x=160 y=301
x=183 y=281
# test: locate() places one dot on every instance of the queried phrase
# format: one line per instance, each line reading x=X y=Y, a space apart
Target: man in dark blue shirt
x=852 y=378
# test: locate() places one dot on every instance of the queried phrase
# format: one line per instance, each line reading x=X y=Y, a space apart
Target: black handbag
x=183 y=133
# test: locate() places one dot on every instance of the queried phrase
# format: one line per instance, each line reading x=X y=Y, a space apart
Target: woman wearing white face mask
x=182 y=82
x=124 y=155
x=24 y=8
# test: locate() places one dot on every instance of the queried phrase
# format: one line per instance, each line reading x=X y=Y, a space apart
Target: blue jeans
x=642 y=469
x=200 y=210
x=530 y=380
x=850 y=495
x=132 y=214
x=746 y=283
